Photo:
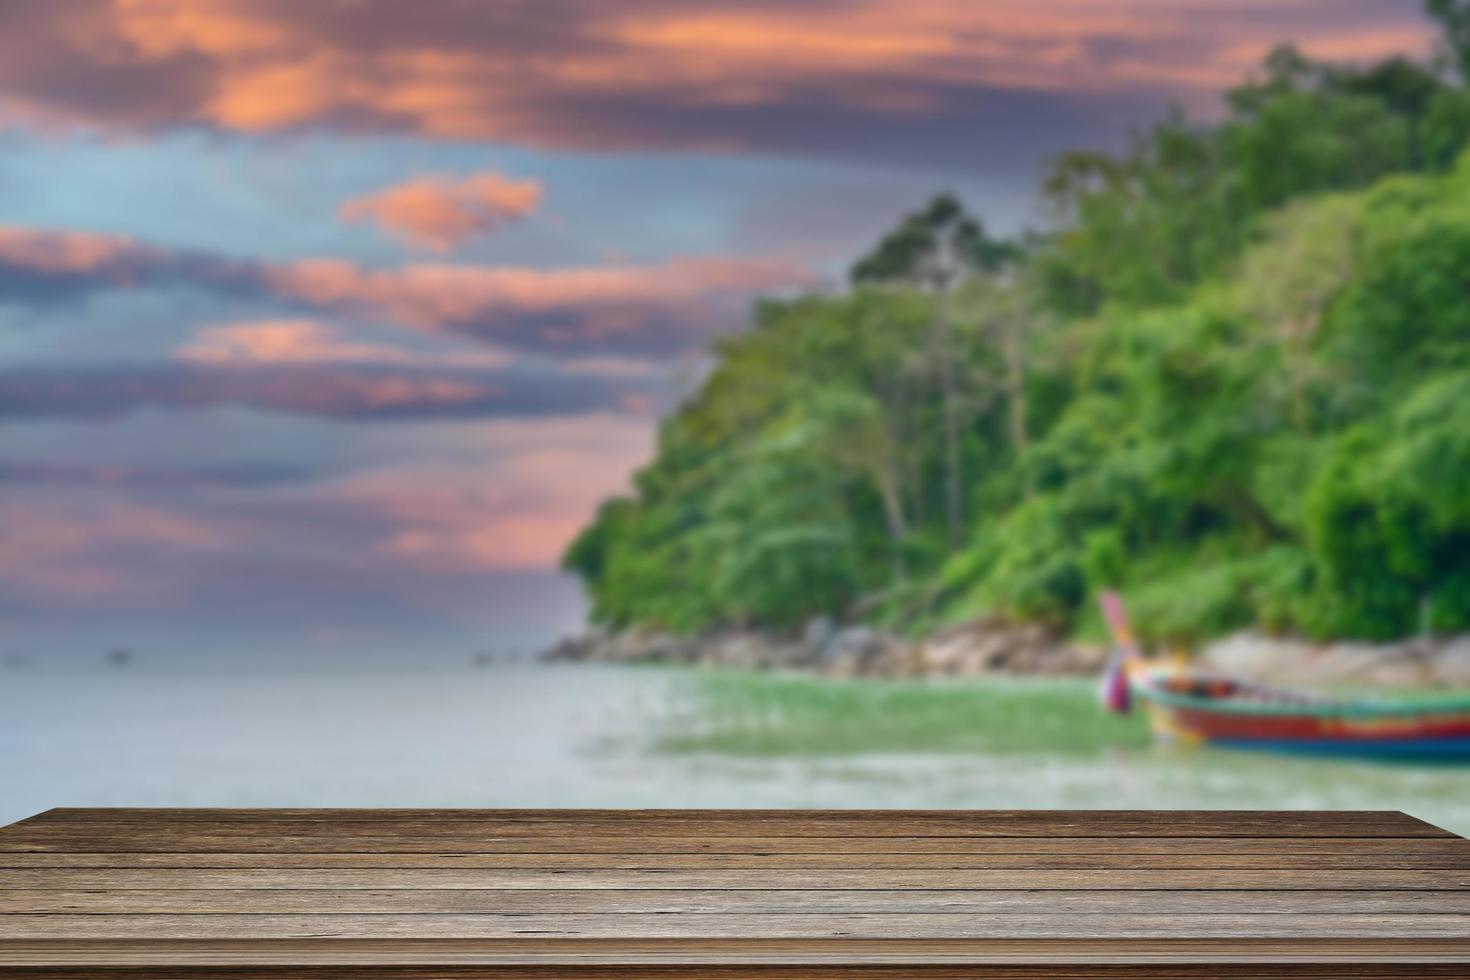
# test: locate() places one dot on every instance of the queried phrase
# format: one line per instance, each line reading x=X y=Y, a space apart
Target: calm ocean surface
x=443 y=734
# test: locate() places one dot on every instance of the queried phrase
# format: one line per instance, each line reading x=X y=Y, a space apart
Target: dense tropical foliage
x=1233 y=379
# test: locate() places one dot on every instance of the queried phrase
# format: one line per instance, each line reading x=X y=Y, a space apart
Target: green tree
x=1232 y=380
x=1310 y=255
x=937 y=249
x=1454 y=20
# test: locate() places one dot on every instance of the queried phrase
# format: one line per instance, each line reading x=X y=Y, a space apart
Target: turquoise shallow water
x=450 y=734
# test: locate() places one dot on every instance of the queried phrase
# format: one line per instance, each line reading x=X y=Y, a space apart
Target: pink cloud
x=340 y=391
x=76 y=548
x=280 y=342
x=414 y=511
x=535 y=487
x=676 y=304
x=440 y=213
x=607 y=301
x=304 y=341
x=592 y=75
x=52 y=252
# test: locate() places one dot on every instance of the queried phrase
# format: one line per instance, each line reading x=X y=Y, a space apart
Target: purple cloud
x=646 y=309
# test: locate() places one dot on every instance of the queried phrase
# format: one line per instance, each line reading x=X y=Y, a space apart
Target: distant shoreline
x=973 y=648
x=993 y=648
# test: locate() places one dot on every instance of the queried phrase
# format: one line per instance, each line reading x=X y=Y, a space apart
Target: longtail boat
x=1192 y=707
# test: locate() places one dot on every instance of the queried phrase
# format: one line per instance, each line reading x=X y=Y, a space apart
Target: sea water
x=453 y=734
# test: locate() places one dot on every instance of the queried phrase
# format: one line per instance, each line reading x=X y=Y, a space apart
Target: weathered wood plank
x=905 y=972
x=695 y=901
x=1085 y=888
x=623 y=844
x=703 y=953
x=644 y=823
x=271 y=843
x=714 y=926
x=429 y=840
x=578 y=843
x=1182 y=971
x=558 y=816
x=74 y=879
x=1344 y=854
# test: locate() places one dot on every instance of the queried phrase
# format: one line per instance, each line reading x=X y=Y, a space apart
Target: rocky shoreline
x=995 y=647
x=978 y=647
x=1435 y=662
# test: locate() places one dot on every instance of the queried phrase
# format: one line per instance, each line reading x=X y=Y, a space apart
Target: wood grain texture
x=1427 y=858
x=746 y=952
x=759 y=892
x=693 y=901
x=17 y=849
x=856 y=972
x=857 y=848
x=1058 y=927
x=289 y=830
x=1207 y=879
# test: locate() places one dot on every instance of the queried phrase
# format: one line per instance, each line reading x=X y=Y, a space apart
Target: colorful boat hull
x=1220 y=711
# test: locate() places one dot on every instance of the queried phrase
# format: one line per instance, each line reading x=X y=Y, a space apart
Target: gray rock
x=818 y=633
x=995 y=646
x=852 y=642
x=1297 y=662
x=990 y=645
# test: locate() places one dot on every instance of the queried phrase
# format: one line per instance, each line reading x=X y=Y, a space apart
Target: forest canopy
x=1231 y=379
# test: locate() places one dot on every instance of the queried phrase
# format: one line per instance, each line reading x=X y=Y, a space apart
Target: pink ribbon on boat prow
x=1112 y=609
x=1116 y=693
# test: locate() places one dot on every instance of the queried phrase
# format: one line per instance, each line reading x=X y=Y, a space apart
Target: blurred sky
x=325 y=325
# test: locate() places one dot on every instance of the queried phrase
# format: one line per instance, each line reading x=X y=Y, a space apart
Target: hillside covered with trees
x=1231 y=378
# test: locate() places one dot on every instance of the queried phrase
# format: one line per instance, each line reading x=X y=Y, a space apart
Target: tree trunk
x=1294 y=355
x=953 y=464
x=888 y=490
x=1016 y=395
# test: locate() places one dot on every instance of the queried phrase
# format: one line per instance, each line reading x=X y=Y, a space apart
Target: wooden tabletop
x=448 y=893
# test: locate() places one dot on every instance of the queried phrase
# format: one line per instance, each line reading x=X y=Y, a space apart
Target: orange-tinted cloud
x=63 y=251
x=441 y=213
x=43 y=261
x=418 y=519
x=341 y=391
x=280 y=342
x=51 y=549
x=538 y=484
x=621 y=309
x=45 y=264
x=303 y=341
x=641 y=73
x=635 y=307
